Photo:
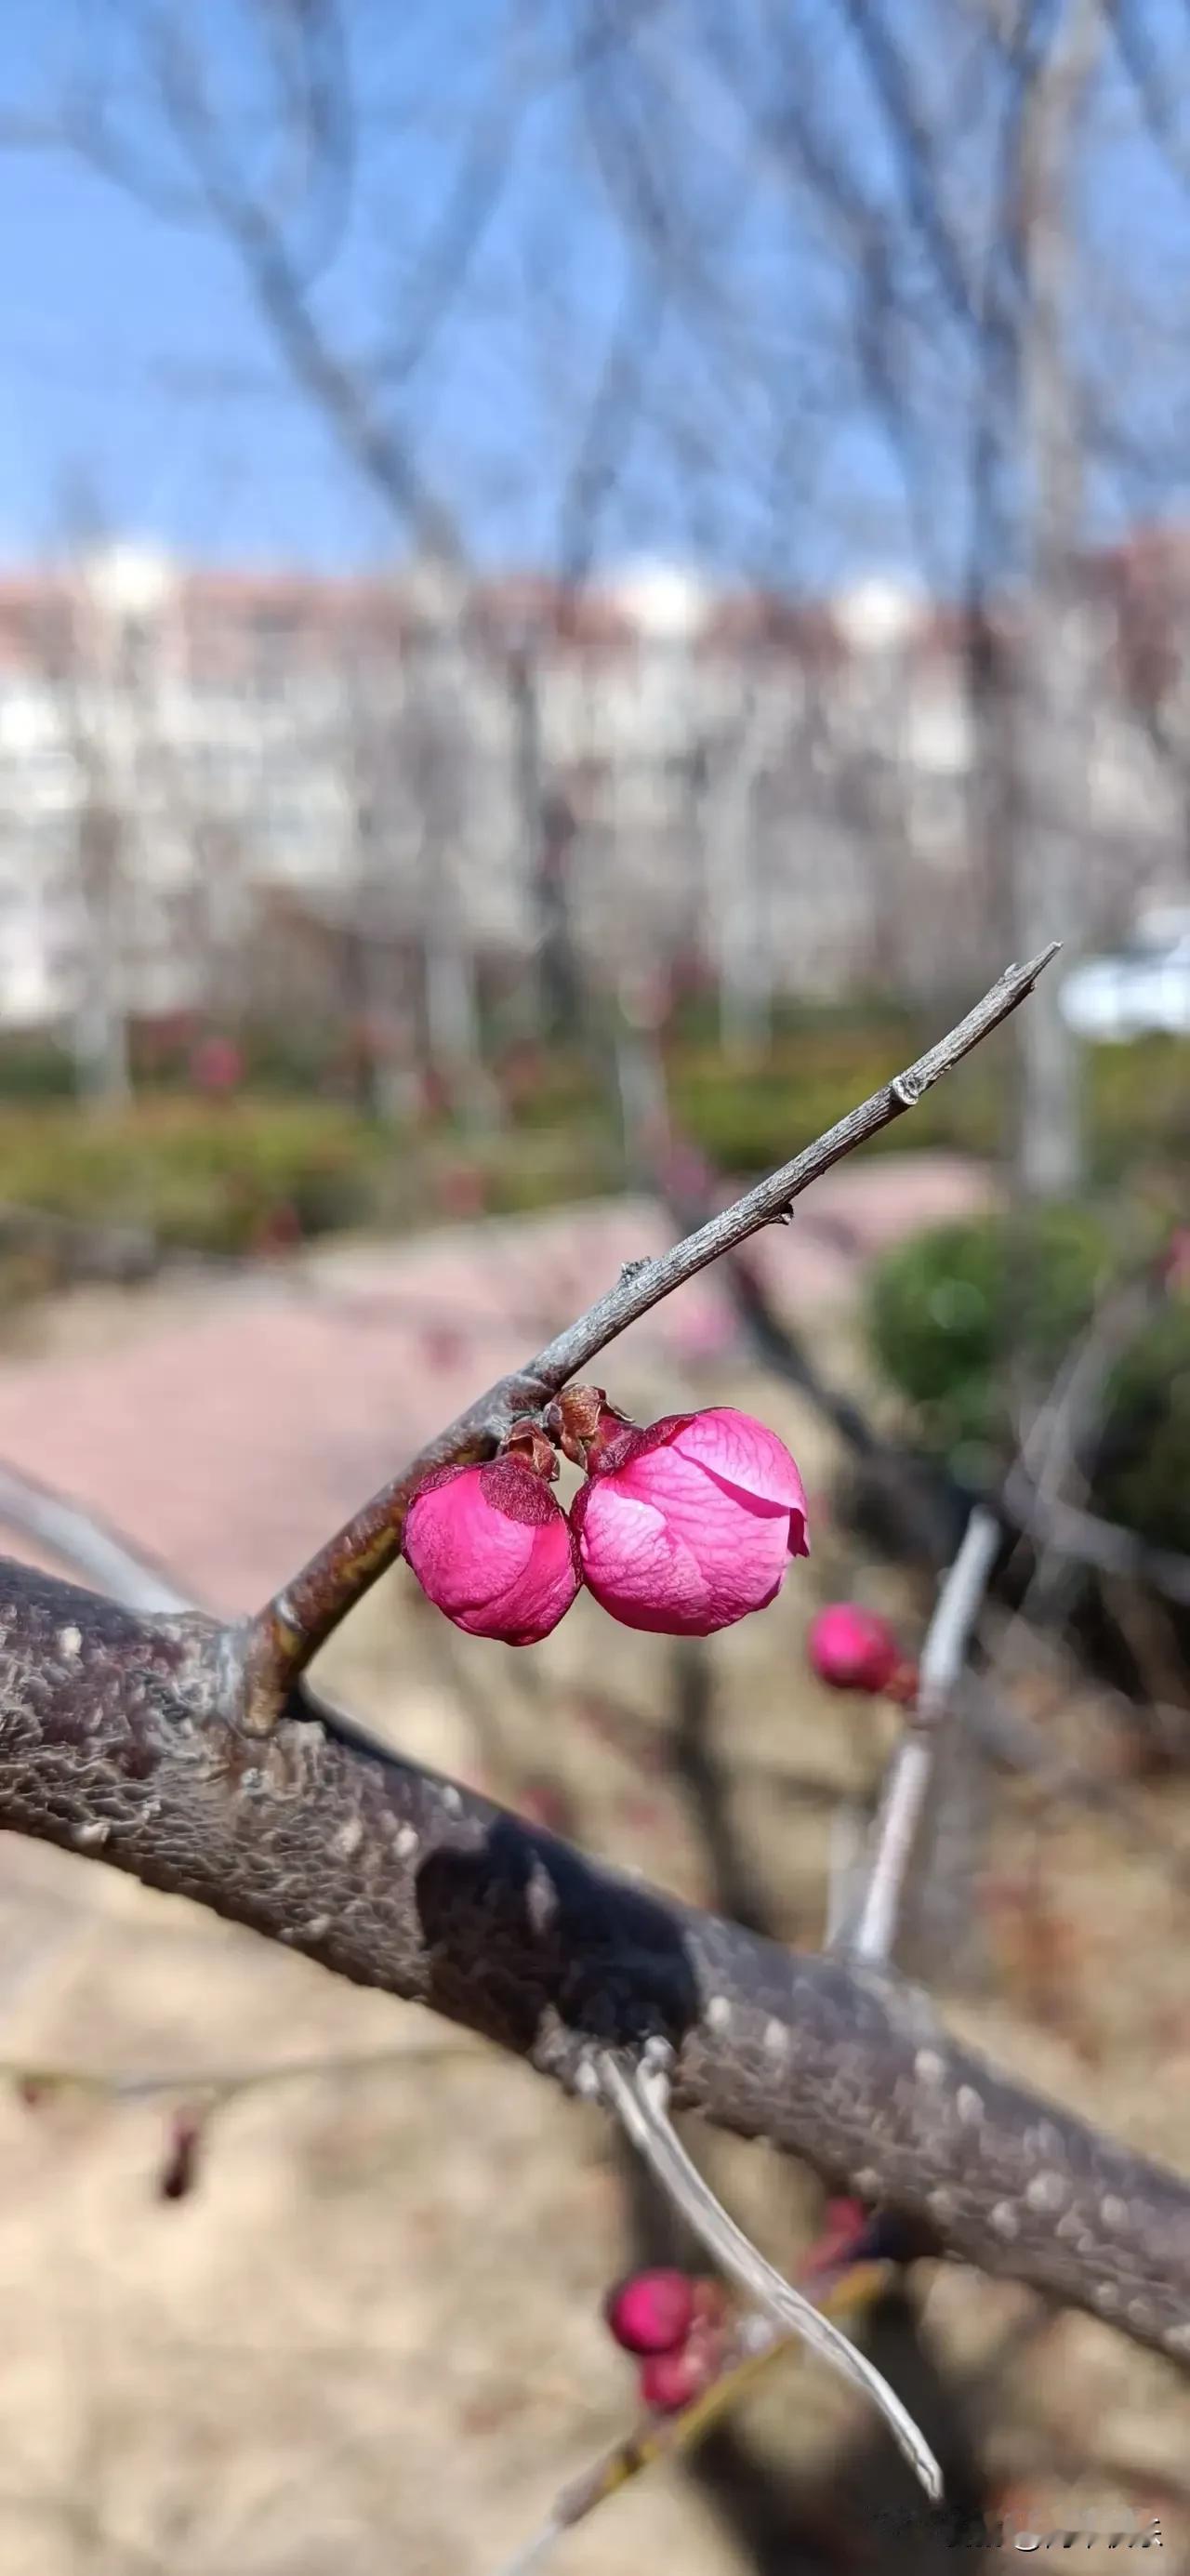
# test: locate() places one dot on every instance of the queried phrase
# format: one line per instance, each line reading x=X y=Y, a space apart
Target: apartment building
x=797 y=793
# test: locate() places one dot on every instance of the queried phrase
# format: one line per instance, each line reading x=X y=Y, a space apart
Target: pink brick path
x=231 y=1437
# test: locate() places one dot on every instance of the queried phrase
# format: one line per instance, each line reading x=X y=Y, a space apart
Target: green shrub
x=949 y=1312
x=1138 y=1104
x=35 y=1068
x=515 y=1174
x=200 y=1176
x=956 y=1314
x=1141 y=1475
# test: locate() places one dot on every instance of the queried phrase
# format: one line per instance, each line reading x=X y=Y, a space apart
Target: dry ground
x=370 y=2340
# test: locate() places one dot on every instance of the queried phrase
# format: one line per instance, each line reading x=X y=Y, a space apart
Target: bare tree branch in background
x=1050 y=698
x=897 y=1830
x=279 y=284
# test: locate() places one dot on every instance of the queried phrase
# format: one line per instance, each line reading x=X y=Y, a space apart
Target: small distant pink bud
x=688 y=1525
x=853 y=1649
x=492 y=1548
x=670 y=2380
x=652 y=2312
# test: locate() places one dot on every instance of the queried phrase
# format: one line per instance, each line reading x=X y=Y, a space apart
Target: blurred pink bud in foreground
x=652 y=2311
x=686 y=1526
x=853 y=1649
x=490 y=1546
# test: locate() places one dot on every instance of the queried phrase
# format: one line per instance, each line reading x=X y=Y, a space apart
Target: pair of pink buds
x=675 y=2325
x=683 y=1526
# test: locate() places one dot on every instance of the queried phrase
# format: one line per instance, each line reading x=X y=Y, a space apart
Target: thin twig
x=907 y=1787
x=292 y=1626
x=1006 y=1737
x=1092 y=1541
x=639 y=2095
x=225 y=2085
x=1055 y=1440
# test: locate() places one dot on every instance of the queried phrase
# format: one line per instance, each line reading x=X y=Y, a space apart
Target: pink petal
x=638 y=1566
x=533 y=1603
x=492 y=1548
x=682 y=1556
x=462 y=1552
x=744 y=1453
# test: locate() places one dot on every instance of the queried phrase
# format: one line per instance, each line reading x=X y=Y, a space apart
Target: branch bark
x=123 y=1738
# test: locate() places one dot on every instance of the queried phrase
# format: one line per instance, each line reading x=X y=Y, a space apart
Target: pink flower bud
x=652 y=2311
x=687 y=1526
x=492 y=1548
x=853 y=1649
x=670 y=2380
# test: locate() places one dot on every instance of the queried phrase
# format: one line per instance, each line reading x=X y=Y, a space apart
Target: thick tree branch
x=123 y=1738
x=298 y=1620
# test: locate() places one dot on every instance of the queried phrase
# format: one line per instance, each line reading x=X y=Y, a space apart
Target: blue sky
x=133 y=364
x=135 y=369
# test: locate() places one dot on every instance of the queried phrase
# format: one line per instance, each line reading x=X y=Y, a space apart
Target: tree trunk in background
x=100 y=1029
x=451 y=1002
x=737 y=929
x=1048 y=806
x=437 y=782
x=547 y=826
x=377 y=994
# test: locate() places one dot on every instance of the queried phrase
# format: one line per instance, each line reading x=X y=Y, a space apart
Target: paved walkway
x=229 y=1433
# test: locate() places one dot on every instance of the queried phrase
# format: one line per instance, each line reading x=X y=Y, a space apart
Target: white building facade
x=787 y=793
